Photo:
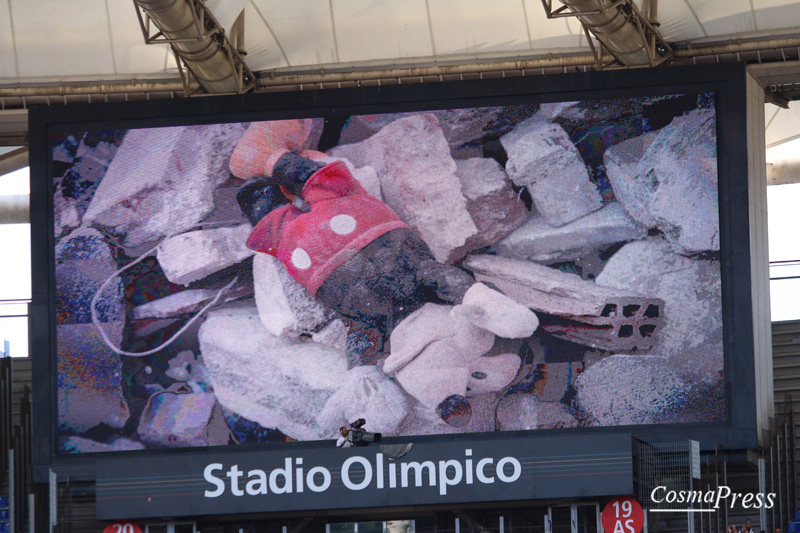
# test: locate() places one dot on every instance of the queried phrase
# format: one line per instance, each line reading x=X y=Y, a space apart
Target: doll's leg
x=376 y=281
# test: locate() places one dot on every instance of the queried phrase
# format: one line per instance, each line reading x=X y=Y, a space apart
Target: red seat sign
x=622 y=515
x=122 y=527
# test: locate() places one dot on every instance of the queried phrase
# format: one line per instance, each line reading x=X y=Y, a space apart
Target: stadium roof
x=90 y=50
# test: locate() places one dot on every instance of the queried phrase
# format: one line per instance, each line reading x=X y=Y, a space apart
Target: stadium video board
x=520 y=257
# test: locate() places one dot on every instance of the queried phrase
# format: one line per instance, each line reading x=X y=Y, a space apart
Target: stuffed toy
x=353 y=253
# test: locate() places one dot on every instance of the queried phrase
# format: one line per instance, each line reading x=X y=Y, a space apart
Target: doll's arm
x=294 y=169
x=259 y=196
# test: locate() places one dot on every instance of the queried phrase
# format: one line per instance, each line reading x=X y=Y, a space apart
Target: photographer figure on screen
x=344 y=440
x=356 y=435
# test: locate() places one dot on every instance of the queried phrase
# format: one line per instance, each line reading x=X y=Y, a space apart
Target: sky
x=15 y=270
x=15 y=263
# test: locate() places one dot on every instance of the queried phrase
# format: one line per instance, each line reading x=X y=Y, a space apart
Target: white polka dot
x=343 y=224
x=301 y=259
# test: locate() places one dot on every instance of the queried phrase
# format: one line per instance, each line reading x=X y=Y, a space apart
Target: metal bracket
x=204 y=26
x=646 y=30
x=560 y=12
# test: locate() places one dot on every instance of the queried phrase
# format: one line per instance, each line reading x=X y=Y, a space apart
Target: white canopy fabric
x=94 y=40
x=102 y=38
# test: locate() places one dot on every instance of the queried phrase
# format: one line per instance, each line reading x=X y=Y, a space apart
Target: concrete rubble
x=196 y=254
x=176 y=171
x=284 y=306
x=89 y=157
x=522 y=411
x=89 y=386
x=493 y=205
x=418 y=180
x=369 y=394
x=668 y=180
x=691 y=291
x=596 y=315
x=189 y=368
x=177 y=419
x=277 y=382
x=631 y=389
x=173 y=305
x=541 y=242
x=542 y=158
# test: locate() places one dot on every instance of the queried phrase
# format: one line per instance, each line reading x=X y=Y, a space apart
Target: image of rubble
x=529 y=267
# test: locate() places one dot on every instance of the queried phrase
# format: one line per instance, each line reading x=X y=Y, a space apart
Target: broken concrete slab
x=421 y=186
x=542 y=158
x=577 y=310
x=691 y=336
x=194 y=255
x=668 y=180
x=278 y=382
x=493 y=205
x=523 y=411
x=538 y=241
x=173 y=305
x=177 y=419
x=418 y=180
x=176 y=171
x=89 y=378
x=284 y=306
x=646 y=390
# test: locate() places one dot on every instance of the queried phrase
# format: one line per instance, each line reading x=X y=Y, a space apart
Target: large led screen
x=529 y=266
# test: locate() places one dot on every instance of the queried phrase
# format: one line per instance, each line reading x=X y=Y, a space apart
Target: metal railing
x=16 y=479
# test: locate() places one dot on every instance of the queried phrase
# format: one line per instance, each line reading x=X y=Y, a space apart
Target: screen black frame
x=727 y=81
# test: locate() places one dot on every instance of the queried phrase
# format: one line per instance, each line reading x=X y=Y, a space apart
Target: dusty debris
x=668 y=180
x=691 y=290
x=193 y=255
x=284 y=306
x=542 y=158
x=521 y=411
x=631 y=389
x=176 y=171
x=572 y=308
x=278 y=382
x=541 y=242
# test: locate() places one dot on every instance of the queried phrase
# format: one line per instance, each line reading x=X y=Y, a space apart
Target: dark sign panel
x=326 y=478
